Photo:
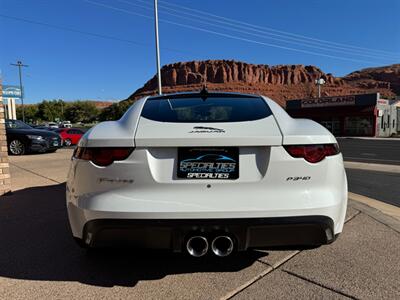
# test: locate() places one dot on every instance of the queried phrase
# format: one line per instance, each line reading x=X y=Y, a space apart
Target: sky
x=105 y=49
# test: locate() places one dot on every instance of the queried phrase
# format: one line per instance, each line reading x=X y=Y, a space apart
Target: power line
x=275 y=30
x=118 y=9
x=284 y=39
x=308 y=42
x=63 y=28
x=229 y=35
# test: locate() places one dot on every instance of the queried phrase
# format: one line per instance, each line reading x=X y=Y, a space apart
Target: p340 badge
x=301 y=178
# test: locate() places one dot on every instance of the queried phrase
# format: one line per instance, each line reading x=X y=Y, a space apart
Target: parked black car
x=22 y=138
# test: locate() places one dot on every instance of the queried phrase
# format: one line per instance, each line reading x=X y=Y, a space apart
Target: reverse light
x=312 y=153
x=103 y=156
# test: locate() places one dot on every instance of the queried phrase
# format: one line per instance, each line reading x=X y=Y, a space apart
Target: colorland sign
x=331 y=101
x=11 y=91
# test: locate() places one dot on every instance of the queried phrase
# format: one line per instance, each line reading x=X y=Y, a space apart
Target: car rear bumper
x=303 y=231
x=143 y=187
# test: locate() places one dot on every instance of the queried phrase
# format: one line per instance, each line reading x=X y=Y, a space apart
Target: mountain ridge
x=279 y=82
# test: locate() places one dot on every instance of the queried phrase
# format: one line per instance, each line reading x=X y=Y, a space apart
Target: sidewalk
x=362 y=263
x=38 y=258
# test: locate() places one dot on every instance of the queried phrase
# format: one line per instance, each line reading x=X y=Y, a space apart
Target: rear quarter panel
x=299 y=131
x=118 y=133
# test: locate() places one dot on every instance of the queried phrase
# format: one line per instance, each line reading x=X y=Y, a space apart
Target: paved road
x=371 y=150
x=377 y=185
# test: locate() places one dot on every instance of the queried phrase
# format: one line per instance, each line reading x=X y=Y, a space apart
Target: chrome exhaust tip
x=197 y=246
x=222 y=245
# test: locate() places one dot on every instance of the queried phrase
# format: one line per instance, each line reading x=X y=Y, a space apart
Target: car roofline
x=200 y=94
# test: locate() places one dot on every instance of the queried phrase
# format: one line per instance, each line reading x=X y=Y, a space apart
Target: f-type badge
x=203 y=129
x=114 y=180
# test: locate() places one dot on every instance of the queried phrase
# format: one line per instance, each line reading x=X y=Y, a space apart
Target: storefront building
x=396 y=110
x=351 y=115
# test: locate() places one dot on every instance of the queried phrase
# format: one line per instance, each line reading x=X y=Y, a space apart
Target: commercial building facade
x=351 y=115
x=396 y=109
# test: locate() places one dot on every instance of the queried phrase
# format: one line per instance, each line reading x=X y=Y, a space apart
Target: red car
x=70 y=136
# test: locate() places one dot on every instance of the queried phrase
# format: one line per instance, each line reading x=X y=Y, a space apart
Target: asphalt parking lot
x=384 y=186
x=373 y=167
x=371 y=150
x=39 y=259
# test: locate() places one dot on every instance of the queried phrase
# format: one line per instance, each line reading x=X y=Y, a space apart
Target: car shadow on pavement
x=36 y=244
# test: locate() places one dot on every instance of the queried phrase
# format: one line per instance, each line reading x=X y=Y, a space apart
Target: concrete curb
x=382 y=212
x=395 y=138
x=372 y=167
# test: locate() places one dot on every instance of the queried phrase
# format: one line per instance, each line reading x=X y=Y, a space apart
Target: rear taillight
x=102 y=156
x=312 y=153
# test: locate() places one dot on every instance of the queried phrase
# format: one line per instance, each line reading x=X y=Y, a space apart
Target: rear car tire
x=52 y=150
x=16 y=147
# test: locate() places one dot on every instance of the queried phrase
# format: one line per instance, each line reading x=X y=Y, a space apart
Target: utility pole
x=157 y=47
x=319 y=82
x=62 y=109
x=19 y=64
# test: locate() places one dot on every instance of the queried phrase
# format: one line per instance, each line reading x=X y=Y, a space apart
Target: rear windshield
x=210 y=109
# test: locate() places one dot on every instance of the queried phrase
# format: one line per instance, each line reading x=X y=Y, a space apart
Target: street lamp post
x=319 y=82
x=157 y=47
x=19 y=64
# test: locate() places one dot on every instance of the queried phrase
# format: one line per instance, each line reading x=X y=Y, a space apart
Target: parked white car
x=51 y=125
x=207 y=173
x=65 y=124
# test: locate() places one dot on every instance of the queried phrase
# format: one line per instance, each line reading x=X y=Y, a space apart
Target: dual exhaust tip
x=198 y=245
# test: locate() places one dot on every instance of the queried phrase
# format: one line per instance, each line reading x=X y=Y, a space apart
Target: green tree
x=81 y=111
x=31 y=112
x=114 y=111
x=51 y=110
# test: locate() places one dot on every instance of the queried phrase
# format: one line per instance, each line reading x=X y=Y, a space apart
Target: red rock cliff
x=381 y=77
x=281 y=82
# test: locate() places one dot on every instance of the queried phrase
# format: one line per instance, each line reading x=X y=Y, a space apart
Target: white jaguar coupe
x=207 y=173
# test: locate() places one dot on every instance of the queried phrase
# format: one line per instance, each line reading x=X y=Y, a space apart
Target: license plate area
x=208 y=163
